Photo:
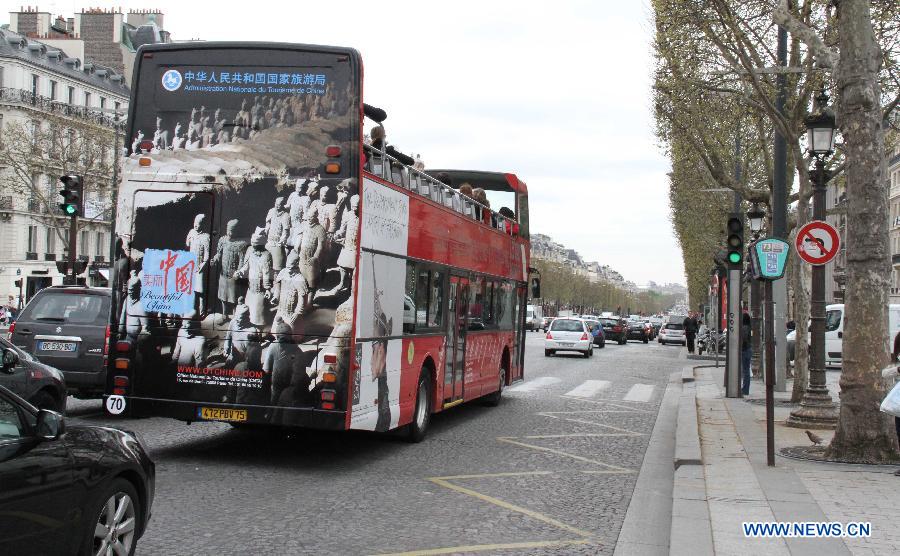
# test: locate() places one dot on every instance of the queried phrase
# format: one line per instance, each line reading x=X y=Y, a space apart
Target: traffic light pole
x=70 y=279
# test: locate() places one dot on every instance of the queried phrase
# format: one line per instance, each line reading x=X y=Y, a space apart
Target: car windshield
x=610 y=322
x=72 y=308
x=674 y=327
x=832 y=320
x=567 y=326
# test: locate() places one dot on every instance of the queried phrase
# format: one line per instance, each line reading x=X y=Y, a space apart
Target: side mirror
x=10 y=360
x=535 y=288
x=50 y=425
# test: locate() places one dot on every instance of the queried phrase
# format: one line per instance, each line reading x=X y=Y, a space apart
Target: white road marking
x=536 y=384
x=639 y=393
x=588 y=388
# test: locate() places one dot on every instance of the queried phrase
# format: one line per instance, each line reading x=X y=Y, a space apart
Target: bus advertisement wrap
x=235 y=256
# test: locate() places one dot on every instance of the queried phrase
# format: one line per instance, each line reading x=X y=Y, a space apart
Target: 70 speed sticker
x=115 y=404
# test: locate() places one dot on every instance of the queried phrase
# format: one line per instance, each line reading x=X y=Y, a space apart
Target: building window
x=87 y=99
x=1 y=129
x=53 y=90
x=1 y=76
x=51 y=241
x=71 y=99
x=83 y=243
x=117 y=105
x=32 y=239
x=101 y=244
x=102 y=102
x=35 y=84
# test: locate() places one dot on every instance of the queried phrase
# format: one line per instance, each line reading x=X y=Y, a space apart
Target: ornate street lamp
x=816 y=407
x=755 y=216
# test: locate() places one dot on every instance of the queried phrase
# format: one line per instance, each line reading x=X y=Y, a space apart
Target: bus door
x=455 y=370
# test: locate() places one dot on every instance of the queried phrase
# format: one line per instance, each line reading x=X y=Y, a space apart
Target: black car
x=66 y=327
x=42 y=385
x=69 y=489
x=614 y=330
x=638 y=330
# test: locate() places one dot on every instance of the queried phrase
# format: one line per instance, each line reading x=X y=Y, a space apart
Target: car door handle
x=840 y=334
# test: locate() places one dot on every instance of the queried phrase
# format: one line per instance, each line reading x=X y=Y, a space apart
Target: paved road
x=549 y=471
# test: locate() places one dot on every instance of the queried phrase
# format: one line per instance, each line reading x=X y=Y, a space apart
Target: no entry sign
x=817 y=242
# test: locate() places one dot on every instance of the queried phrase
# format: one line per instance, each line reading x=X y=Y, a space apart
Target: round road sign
x=817 y=242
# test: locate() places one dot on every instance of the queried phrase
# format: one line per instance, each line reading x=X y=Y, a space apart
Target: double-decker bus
x=272 y=268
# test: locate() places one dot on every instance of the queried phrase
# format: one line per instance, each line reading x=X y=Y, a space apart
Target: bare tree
x=55 y=146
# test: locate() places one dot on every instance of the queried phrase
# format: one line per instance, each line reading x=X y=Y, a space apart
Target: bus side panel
x=421 y=355
x=484 y=351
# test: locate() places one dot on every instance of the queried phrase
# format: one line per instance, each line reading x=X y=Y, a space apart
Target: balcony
x=31 y=256
x=28 y=99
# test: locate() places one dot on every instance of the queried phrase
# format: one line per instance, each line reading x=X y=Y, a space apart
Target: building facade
x=45 y=92
x=893 y=175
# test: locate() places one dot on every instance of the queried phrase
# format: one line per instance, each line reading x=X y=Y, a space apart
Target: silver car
x=568 y=335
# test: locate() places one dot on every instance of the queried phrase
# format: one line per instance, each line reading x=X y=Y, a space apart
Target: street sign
x=817 y=242
x=768 y=258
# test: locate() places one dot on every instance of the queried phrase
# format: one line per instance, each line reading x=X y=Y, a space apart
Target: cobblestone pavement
x=549 y=471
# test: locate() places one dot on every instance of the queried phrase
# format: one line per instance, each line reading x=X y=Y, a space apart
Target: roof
x=489 y=181
x=16 y=46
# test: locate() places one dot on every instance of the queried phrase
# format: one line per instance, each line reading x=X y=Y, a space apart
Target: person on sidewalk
x=690 y=331
x=746 y=352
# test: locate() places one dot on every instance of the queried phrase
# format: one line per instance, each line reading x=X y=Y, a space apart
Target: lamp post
x=816 y=407
x=756 y=217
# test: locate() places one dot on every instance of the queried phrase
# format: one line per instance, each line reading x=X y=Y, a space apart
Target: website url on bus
x=807 y=529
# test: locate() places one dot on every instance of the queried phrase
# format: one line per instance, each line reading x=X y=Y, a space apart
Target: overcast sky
x=555 y=92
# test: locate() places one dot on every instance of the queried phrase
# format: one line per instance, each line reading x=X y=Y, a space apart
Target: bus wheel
x=493 y=399
x=415 y=431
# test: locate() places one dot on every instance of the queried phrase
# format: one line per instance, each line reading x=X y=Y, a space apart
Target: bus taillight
x=333 y=151
x=333 y=168
x=330 y=359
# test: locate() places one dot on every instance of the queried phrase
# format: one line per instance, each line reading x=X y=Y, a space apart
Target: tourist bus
x=271 y=267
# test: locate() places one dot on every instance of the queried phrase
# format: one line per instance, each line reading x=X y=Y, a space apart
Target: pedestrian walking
x=690 y=331
x=746 y=352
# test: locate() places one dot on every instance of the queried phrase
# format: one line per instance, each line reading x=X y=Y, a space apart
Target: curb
x=691 y=528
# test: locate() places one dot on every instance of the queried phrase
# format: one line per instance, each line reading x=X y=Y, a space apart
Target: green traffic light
x=734 y=257
x=69 y=209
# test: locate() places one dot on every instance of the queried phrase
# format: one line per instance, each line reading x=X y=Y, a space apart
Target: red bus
x=273 y=268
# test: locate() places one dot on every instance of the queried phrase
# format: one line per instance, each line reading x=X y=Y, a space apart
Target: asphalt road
x=549 y=471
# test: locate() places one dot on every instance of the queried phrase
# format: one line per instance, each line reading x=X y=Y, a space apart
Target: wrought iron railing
x=38 y=102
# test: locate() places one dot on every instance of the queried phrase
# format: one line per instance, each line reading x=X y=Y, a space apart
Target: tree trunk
x=863 y=432
x=802 y=275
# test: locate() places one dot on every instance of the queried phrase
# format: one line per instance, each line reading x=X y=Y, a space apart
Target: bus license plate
x=57 y=346
x=221 y=414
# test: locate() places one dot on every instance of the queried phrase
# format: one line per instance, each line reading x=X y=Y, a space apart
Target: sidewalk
x=722 y=480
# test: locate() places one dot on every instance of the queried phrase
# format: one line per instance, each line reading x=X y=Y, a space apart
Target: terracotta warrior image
x=229 y=258
x=257 y=270
x=198 y=243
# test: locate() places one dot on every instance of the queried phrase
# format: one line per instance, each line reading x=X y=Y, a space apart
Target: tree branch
x=826 y=57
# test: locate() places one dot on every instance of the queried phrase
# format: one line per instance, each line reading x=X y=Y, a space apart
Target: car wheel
x=646 y=340
x=662 y=342
x=623 y=342
x=602 y=344
x=493 y=399
x=45 y=400
x=548 y=352
x=416 y=430
x=112 y=520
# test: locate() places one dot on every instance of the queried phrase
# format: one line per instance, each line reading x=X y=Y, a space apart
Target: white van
x=834 y=332
x=534 y=315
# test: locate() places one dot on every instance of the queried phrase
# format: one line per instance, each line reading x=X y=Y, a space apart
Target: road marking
x=489 y=475
x=614 y=403
x=576 y=435
x=509 y=440
x=511 y=507
x=639 y=393
x=486 y=547
x=536 y=384
x=554 y=414
x=588 y=388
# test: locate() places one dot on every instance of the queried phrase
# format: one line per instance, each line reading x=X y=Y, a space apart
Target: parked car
x=596 y=332
x=42 y=385
x=834 y=333
x=656 y=323
x=672 y=333
x=615 y=330
x=67 y=327
x=545 y=323
x=69 y=489
x=637 y=330
x=567 y=334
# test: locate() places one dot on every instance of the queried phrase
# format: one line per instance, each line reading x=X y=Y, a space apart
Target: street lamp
x=816 y=407
x=755 y=216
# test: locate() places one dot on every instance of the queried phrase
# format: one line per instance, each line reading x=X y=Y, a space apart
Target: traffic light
x=72 y=194
x=735 y=240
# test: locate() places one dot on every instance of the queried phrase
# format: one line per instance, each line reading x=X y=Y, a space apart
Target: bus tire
x=493 y=399
x=416 y=429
